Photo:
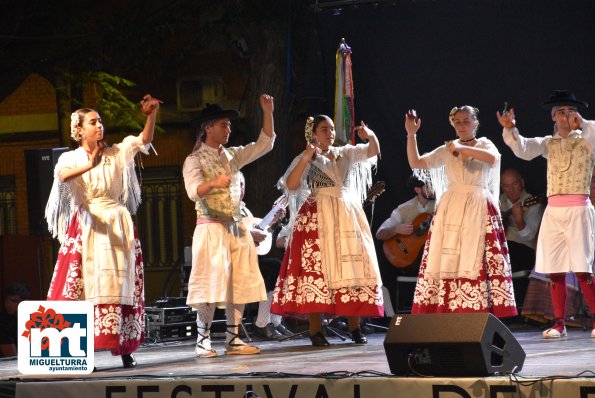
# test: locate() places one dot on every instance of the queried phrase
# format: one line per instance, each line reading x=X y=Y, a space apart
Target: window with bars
x=159 y=218
x=8 y=208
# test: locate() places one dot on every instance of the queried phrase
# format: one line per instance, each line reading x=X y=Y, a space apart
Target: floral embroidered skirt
x=302 y=287
x=119 y=328
x=491 y=292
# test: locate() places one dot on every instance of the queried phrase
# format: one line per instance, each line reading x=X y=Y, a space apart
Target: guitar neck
x=268 y=219
x=524 y=203
x=375 y=191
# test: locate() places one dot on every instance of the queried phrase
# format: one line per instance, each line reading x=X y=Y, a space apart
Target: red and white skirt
x=302 y=287
x=491 y=292
x=119 y=328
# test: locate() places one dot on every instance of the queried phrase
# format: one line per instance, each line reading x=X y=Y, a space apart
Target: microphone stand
x=366 y=321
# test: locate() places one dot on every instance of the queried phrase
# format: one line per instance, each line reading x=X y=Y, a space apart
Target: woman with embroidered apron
x=330 y=264
x=465 y=265
x=95 y=190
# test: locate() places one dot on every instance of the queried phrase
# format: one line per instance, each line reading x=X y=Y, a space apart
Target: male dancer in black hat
x=224 y=260
x=565 y=243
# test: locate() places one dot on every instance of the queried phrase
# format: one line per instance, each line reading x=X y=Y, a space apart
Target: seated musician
x=401 y=222
x=521 y=215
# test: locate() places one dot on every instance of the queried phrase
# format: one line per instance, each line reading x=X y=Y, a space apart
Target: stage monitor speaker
x=475 y=344
x=39 y=164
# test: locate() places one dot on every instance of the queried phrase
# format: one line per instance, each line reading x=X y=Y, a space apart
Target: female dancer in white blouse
x=95 y=190
x=330 y=265
x=465 y=265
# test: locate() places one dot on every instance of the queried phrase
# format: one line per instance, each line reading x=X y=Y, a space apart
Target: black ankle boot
x=128 y=361
x=357 y=337
x=318 y=340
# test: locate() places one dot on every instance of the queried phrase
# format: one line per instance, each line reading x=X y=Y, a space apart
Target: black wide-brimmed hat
x=563 y=97
x=214 y=112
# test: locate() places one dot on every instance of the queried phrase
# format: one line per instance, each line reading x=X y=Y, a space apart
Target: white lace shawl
x=67 y=197
x=356 y=176
x=438 y=178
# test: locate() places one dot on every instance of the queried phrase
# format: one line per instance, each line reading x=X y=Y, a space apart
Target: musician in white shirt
x=521 y=215
x=401 y=222
x=401 y=219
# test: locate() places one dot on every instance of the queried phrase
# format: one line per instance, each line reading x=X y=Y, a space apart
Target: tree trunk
x=267 y=77
x=64 y=106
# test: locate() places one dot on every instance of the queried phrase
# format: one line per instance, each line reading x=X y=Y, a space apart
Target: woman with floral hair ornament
x=465 y=266
x=330 y=263
x=94 y=192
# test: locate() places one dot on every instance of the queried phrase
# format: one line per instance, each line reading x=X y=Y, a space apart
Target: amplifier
x=174 y=331
x=169 y=315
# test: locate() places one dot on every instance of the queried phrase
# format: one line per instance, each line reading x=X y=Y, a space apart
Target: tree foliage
x=112 y=104
x=109 y=44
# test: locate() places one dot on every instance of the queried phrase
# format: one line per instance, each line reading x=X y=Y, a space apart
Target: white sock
x=264 y=312
x=233 y=315
x=204 y=317
x=276 y=319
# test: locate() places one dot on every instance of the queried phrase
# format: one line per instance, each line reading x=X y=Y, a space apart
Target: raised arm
x=524 y=148
x=149 y=106
x=366 y=134
x=267 y=104
x=412 y=125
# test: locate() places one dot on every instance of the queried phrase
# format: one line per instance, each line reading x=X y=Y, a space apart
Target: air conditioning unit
x=193 y=93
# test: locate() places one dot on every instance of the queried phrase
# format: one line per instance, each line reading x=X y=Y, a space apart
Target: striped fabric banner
x=344 y=114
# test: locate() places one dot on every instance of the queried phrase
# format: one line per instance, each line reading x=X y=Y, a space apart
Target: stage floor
x=568 y=357
x=295 y=362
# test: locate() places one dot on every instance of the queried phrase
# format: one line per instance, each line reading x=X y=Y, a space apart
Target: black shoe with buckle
x=318 y=340
x=357 y=337
x=128 y=361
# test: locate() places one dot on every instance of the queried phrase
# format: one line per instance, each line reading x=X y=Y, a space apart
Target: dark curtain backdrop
x=433 y=55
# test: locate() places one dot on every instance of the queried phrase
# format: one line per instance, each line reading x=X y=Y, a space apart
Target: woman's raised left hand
x=363 y=131
x=267 y=103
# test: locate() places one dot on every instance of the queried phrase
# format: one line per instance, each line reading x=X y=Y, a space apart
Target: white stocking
x=276 y=319
x=204 y=317
x=264 y=312
x=233 y=315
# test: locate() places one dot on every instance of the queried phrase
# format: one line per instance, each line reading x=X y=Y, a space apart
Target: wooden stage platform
x=294 y=368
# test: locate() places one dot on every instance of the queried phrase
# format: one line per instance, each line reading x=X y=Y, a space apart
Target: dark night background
x=433 y=55
x=429 y=55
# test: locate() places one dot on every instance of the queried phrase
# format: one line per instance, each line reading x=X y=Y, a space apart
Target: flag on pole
x=344 y=114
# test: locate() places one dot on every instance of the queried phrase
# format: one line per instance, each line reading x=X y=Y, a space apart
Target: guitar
x=403 y=250
x=532 y=201
x=375 y=191
x=264 y=223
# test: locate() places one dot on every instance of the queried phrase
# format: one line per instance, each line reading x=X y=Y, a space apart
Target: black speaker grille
x=475 y=344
